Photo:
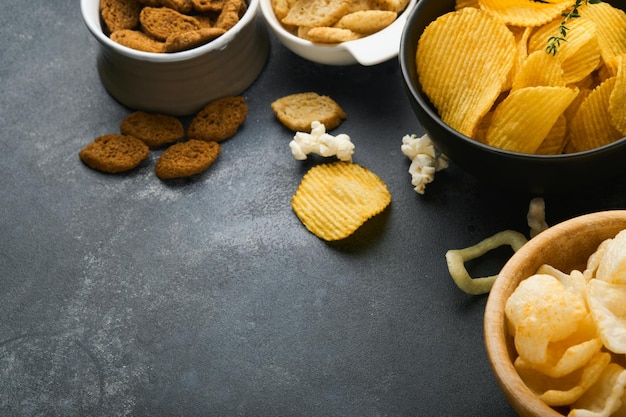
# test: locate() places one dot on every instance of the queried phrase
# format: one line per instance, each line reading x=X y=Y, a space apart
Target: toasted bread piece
x=185 y=159
x=298 y=111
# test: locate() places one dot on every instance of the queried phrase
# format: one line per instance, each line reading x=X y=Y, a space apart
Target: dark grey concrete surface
x=127 y=296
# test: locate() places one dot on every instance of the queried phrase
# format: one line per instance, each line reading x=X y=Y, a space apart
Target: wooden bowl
x=565 y=246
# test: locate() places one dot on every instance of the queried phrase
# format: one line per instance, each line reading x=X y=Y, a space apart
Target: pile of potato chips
x=486 y=70
x=570 y=333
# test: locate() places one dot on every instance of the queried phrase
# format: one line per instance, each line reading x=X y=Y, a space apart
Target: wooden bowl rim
x=599 y=226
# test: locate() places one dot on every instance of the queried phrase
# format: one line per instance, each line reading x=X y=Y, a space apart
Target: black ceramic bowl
x=533 y=173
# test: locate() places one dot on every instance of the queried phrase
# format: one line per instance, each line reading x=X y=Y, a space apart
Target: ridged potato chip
x=334 y=200
x=524 y=12
x=610 y=28
x=466 y=3
x=579 y=55
x=591 y=126
x=541 y=105
x=464 y=78
x=555 y=141
x=539 y=69
x=617 y=100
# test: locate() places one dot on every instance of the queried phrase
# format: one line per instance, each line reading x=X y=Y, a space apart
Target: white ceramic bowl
x=371 y=50
x=181 y=83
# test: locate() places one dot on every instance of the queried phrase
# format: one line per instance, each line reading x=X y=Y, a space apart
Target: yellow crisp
x=567 y=389
x=554 y=143
x=610 y=27
x=524 y=12
x=510 y=128
x=539 y=69
x=334 y=200
x=591 y=126
x=464 y=78
x=541 y=310
x=466 y=3
x=605 y=397
x=617 y=100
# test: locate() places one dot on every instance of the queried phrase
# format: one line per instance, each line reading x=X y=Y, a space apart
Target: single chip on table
x=114 y=153
x=298 y=111
x=334 y=200
x=536 y=107
x=524 y=12
x=464 y=78
x=153 y=129
x=185 y=159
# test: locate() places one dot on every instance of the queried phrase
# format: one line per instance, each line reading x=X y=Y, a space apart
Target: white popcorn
x=321 y=143
x=425 y=160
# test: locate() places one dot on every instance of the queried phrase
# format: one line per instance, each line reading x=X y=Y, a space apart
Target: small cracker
x=137 y=40
x=367 y=21
x=218 y=120
x=161 y=22
x=298 y=111
x=153 y=129
x=312 y=13
x=186 y=40
x=334 y=200
x=120 y=14
x=391 y=5
x=328 y=34
x=114 y=153
x=185 y=159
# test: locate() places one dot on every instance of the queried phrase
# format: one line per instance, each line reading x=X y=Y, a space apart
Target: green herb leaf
x=554 y=42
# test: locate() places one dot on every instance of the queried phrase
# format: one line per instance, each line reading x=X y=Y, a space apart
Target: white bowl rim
x=352 y=47
x=94 y=26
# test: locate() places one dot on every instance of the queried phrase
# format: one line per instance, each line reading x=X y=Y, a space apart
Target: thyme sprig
x=554 y=42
